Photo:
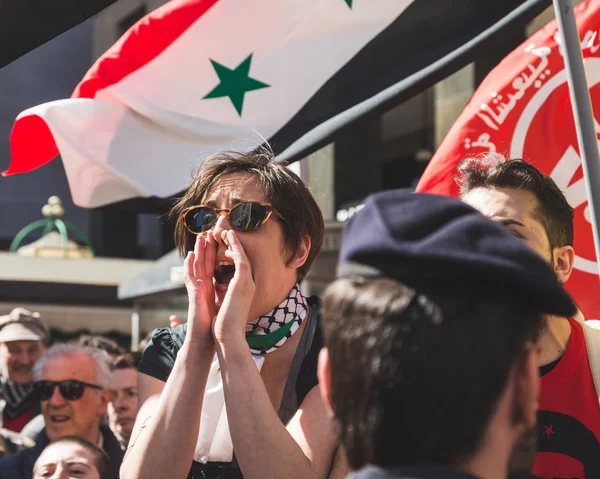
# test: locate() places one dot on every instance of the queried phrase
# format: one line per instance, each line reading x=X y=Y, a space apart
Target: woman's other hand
x=231 y=320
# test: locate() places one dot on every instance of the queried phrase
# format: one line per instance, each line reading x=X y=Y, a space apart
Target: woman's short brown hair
x=286 y=192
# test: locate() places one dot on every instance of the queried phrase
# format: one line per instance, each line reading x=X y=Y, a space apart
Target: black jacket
x=20 y=465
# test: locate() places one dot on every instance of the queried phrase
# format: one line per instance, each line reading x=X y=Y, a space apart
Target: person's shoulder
x=112 y=446
x=161 y=351
x=178 y=334
x=11 y=460
x=593 y=323
x=20 y=464
x=170 y=339
x=9 y=463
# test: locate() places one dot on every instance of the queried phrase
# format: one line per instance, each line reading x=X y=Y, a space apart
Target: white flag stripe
x=296 y=47
x=318 y=39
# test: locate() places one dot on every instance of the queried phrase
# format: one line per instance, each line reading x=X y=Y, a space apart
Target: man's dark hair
x=286 y=192
x=494 y=171
x=101 y=459
x=128 y=360
x=101 y=342
x=416 y=373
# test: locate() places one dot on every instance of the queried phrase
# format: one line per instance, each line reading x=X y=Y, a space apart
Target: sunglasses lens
x=44 y=390
x=71 y=390
x=248 y=216
x=200 y=220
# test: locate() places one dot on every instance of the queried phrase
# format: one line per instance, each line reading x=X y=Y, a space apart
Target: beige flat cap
x=23 y=325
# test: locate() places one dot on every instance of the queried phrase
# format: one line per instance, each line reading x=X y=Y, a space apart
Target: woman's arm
x=263 y=446
x=168 y=420
x=167 y=424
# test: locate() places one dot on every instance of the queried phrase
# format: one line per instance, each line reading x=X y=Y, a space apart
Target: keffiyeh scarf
x=271 y=331
x=18 y=397
x=264 y=335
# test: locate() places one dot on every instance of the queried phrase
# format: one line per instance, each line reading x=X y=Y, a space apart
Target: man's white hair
x=99 y=356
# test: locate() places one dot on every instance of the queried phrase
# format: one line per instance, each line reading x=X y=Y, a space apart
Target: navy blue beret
x=408 y=236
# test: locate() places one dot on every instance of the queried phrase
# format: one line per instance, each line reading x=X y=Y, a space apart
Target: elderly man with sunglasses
x=71 y=382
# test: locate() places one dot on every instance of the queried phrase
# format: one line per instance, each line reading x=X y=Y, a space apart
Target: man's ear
x=564 y=258
x=527 y=387
x=301 y=253
x=324 y=376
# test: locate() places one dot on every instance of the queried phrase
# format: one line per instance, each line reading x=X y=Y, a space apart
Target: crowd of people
x=447 y=347
x=67 y=409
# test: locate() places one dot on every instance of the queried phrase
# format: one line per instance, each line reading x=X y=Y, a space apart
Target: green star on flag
x=235 y=83
x=349 y=2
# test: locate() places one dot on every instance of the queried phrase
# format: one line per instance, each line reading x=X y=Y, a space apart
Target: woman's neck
x=262 y=310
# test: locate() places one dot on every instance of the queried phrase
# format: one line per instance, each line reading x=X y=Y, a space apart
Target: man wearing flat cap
x=431 y=341
x=23 y=339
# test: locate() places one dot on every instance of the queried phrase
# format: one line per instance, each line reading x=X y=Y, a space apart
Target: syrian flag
x=523 y=110
x=27 y=24
x=197 y=76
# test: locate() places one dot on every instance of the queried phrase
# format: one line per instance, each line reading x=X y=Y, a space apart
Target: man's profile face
x=17 y=359
x=516 y=210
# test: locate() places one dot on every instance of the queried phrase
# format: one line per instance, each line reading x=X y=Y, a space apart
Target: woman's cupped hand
x=206 y=322
x=198 y=273
x=230 y=323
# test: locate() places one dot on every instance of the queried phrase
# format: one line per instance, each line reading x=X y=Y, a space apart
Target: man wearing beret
x=530 y=206
x=23 y=339
x=431 y=331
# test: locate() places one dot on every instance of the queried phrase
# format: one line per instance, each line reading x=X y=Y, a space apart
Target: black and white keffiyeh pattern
x=292 y=309
x=18 y=397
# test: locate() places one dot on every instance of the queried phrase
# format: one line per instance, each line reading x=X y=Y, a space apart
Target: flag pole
x=582 y=111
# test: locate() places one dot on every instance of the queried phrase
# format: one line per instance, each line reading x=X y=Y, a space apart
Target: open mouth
x=224 y=272
x=59 y=418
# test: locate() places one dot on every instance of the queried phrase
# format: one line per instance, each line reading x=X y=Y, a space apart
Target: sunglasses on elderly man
x=71 y=389
x=246 y=216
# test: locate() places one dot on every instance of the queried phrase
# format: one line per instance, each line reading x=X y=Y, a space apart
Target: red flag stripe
x=141 y=44
x=32 y=145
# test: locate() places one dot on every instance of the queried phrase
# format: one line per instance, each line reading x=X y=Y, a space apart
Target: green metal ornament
x=53 y=211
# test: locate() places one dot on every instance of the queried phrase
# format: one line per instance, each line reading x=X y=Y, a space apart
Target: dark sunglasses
x=71 y=389
x=246 y=216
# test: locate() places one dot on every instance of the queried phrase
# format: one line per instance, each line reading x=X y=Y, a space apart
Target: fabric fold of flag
x=198 y=76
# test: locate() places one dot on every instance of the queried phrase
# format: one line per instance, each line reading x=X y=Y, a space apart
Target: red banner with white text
x=523 y=110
